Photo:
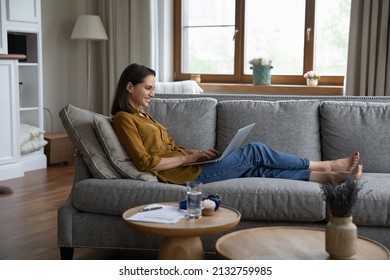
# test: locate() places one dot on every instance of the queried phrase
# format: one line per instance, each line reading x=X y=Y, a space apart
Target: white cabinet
x=23 y=11
x=21 y=24
x=10 y=163
x=3 y=32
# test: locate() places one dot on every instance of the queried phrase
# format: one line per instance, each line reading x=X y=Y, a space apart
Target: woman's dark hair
x=135 y=74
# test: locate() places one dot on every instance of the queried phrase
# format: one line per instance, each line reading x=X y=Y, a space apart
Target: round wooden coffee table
x=288 y=243
x=181 y=241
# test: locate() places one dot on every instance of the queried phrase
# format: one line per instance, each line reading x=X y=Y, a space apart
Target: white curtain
x=139 y=31
x=151 y=32
x=368 y=69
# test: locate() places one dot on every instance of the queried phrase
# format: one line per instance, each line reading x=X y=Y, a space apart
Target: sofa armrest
x=81 y=170
x=65 y=223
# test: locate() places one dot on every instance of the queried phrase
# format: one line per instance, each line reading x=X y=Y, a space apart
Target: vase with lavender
x=341 y=232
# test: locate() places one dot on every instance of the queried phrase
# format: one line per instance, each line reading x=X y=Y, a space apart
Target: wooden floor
x=28 y=220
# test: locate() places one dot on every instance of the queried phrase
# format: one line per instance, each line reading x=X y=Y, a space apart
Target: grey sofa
x=106 y=183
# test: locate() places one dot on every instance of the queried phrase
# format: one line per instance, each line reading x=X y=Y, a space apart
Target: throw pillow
x=115 y=152
x=79 y=125
x=188 y=86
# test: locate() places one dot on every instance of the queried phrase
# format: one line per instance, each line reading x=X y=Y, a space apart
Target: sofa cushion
x=271 y=199
x=289 y=126
x=373 y=205
x=255 y=198
x=115 y=152
x=347 y=127
x=79 y=125
x=191 y=122
x=113 y=197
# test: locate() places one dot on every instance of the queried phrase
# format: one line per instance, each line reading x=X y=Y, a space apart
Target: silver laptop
x=234 y=144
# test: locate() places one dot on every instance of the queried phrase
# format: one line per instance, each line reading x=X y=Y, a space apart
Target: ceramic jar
x=341 y=237
x=312 y=82
x=261 y=74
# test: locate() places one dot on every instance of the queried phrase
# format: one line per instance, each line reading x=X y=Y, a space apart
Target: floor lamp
x=90 y=28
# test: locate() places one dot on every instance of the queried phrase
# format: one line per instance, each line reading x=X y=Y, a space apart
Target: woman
x=151 y=149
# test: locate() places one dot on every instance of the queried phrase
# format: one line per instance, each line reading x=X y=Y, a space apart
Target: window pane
x=331 y=36
x=275 y=30
x=208 y=29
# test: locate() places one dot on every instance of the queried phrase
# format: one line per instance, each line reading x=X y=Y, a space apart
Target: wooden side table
x=59 y=148
x=288 y=243
x=181 y=241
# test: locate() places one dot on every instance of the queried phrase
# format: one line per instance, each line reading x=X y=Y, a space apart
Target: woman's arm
x=194 y=156
x=129 y=129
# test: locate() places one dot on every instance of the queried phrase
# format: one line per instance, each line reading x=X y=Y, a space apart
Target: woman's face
x=141 y=95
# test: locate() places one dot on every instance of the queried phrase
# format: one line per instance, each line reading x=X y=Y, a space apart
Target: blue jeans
x=257 y=160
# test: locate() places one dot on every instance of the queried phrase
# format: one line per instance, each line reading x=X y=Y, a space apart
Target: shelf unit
x=10 y=163
x=21 y=24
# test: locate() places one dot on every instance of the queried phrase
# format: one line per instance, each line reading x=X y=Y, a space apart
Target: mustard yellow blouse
x=146 y=142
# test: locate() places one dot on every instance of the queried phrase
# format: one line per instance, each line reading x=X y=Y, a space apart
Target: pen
x=151 y=208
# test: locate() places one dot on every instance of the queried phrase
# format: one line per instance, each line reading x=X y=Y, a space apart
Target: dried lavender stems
x=341 y=198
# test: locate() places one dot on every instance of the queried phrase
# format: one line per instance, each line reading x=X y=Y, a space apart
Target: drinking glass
x=194 y=200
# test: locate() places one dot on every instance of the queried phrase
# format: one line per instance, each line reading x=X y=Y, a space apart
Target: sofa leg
x=66 y=253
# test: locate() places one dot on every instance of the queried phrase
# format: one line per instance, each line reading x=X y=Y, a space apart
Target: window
x=217 y=38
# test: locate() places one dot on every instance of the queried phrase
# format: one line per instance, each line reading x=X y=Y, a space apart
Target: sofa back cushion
x=79 y=125
x=347 y=127
x=191 y=122
x=289 y=126
x=115 y=153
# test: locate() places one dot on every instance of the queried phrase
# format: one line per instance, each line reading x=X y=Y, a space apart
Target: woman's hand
x=195 y=156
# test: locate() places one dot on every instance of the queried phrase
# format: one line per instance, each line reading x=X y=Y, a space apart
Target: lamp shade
x=89 y=27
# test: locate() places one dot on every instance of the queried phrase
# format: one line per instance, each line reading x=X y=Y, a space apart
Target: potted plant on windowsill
x=261 y=70
x=312 y=78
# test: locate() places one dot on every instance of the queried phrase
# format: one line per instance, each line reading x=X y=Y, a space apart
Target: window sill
x=272 y=89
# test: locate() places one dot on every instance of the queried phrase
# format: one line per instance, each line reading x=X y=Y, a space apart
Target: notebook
x=234 y=144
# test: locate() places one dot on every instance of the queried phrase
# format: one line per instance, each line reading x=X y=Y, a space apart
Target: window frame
x=238 y=76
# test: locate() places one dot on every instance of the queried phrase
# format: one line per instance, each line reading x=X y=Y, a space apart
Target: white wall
x=64 y=60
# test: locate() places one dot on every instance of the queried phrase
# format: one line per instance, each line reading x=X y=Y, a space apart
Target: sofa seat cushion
x=289 y=126
x=347 y=127
x=114 y=196
x=191 y=122
x=271 y=199
x=255 y=198
x=373 y=205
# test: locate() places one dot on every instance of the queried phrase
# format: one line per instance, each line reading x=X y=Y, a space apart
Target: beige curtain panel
x=138 y=31
x=368 y=68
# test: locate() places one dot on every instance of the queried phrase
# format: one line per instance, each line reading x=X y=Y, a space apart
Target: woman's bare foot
x=336 y=176
x=343 y=164
x=346 y=164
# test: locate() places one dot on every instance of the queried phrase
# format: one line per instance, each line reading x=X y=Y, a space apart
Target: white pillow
x=188 y=86
x=28 y=132
x=34 y=144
